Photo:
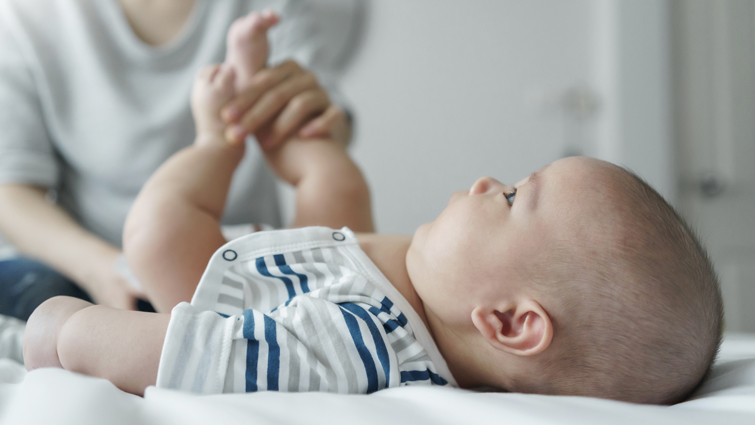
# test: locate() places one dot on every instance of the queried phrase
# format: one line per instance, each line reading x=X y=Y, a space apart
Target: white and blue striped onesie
x=297 y=310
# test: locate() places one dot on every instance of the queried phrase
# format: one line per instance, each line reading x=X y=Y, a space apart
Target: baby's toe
x=267 y=20
x=244 y=28
x=245 y=32
x=248 y=46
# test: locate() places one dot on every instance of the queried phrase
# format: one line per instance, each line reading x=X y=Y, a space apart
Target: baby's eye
x=510 y=196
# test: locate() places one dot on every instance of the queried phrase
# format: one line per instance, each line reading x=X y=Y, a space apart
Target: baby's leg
x=119 y=345
x=40 y=345
x=173 y=228
x=248 y=47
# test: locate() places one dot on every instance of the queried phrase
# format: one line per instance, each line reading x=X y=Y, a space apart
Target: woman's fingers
x=295 y=90
x=261 y=83
x=280 y=102
x=115 y=291
x=297 y=112
x=322 y=126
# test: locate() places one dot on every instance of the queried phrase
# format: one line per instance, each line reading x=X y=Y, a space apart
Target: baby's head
x=578 y=280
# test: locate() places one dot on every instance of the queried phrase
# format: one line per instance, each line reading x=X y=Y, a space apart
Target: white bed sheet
x=53 y=396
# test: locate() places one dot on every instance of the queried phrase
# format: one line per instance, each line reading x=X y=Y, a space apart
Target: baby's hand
x=213 y=88
x=42 y=330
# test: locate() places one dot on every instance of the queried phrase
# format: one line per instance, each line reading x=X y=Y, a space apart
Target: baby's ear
x=523 y=328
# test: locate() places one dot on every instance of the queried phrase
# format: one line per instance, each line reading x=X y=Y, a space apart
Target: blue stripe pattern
x=372 y=314
x=252 y=351
x=262 y=269
x=274 y=354
x=386 y=305
x=402 y=320
x=382 y=352
x=364 y=353
x=280 y=261
x=422 y=375
x=389 y=325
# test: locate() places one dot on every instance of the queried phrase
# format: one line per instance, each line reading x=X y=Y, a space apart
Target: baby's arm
x=173 y=228
x=119 y=345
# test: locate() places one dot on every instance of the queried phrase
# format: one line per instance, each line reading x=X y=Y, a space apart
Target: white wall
x=632 y=72
x=448 y=91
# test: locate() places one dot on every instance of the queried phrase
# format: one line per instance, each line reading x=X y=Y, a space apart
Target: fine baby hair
x=641 y=314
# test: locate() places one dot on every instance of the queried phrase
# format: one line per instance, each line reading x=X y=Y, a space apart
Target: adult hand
x=283 y=101
x=108 y=287
x=45 y=231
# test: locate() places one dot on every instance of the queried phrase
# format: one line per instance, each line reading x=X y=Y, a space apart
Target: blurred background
x=447 y=91
x=444 y=92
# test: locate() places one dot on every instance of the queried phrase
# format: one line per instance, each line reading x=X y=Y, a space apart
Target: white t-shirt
x=297 y=310
x=88 y=109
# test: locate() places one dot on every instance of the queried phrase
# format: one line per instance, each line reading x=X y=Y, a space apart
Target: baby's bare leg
x=174 y=226
x=119 y=345
x=40 y=344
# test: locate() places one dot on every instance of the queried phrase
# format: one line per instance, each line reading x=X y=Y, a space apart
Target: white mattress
x=54 y=396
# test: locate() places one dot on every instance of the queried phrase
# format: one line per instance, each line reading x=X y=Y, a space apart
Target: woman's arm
x=43 y=230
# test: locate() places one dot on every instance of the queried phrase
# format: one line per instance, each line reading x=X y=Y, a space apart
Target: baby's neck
x=388 y=252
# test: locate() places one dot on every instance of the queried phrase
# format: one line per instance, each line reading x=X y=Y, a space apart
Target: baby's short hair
x=642 y=314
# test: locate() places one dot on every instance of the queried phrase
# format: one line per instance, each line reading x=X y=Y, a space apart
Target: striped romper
x=297 y=310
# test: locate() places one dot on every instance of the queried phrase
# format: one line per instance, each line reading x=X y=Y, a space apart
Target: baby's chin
x=418 y=243
x=420 y=236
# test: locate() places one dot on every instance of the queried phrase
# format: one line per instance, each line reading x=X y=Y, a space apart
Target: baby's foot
x=213 y=88
x=248 y=47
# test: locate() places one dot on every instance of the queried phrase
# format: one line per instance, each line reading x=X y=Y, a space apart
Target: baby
x=578 y=280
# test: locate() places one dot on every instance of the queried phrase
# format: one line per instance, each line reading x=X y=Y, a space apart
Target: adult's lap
x=26 y=283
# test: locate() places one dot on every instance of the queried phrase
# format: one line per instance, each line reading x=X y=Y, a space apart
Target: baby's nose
x=485 y=184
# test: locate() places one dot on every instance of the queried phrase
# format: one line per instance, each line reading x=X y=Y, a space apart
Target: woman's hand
x=108 y=287
x=115 y=291
x=283 y=101
x=45 y=231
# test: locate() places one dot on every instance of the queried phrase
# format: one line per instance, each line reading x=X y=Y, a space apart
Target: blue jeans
x=27 y=283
